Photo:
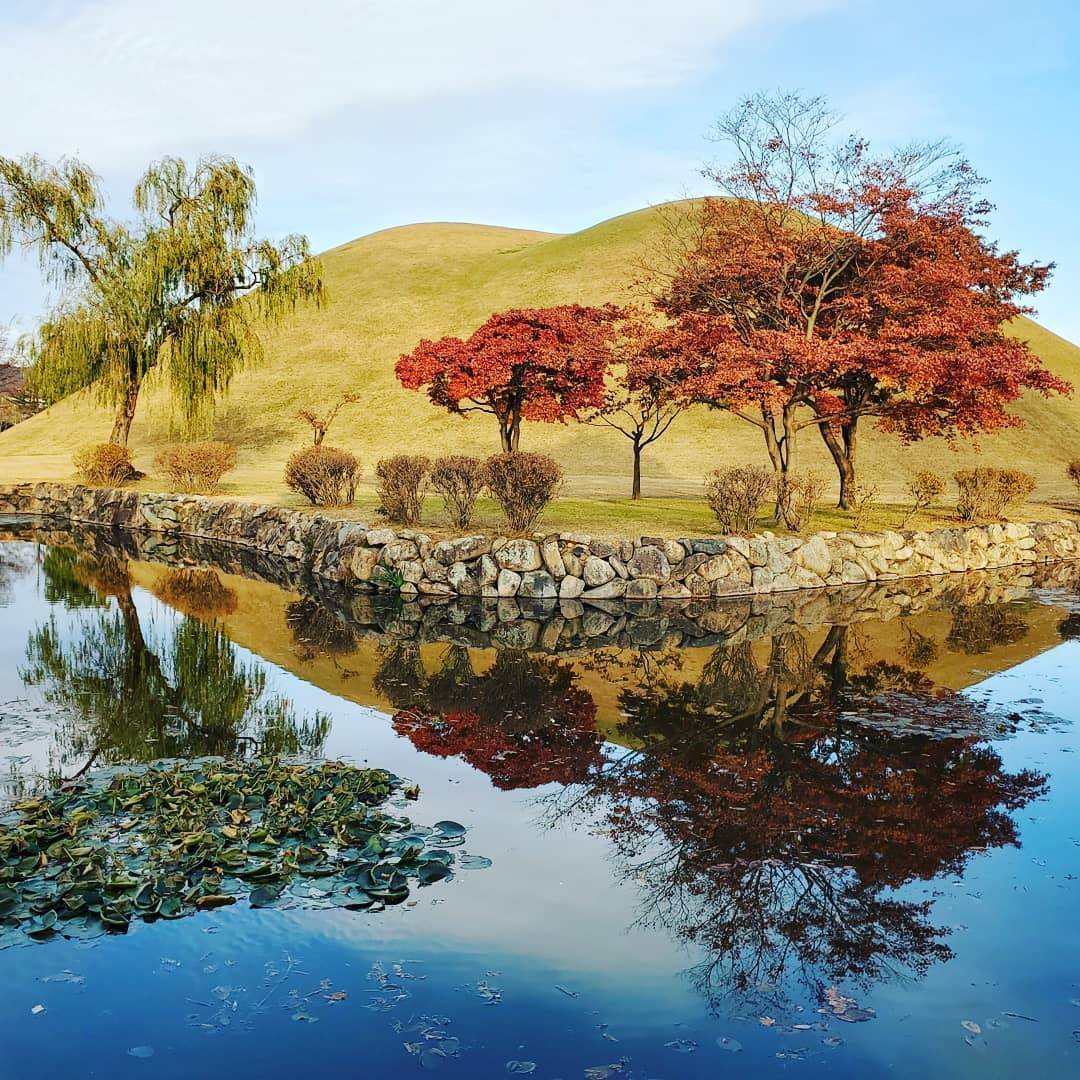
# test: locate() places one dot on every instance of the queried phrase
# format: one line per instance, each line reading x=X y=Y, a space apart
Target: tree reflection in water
x=126 y=695
x=522 y=721
x=771 y=825
x=770 y=807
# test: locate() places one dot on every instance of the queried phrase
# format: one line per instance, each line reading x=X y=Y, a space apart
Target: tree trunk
x=510 y=432
x=125 y=414
x=635 y=491
x=842 y=448
x=781 y=446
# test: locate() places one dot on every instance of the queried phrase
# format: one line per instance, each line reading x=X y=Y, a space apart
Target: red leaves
x=544 y=364
x=864 y=282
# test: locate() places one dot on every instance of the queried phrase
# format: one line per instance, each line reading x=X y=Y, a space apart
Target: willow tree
x=183 y=286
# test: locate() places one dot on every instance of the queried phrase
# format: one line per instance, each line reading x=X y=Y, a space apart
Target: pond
x=829 y=833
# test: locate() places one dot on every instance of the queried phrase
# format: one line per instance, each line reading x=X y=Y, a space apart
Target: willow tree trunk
x=841 y=446
x=125 y=414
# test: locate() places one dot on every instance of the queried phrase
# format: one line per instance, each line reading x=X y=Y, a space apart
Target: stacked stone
x=562 y=566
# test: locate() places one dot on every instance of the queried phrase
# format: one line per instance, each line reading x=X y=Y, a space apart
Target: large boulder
x=650 y=561
x=597 y=571
x=461 y=549
x=537 y=585
x=520 y=556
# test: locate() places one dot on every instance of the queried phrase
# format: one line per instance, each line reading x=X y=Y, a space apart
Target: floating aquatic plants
x=168 y=840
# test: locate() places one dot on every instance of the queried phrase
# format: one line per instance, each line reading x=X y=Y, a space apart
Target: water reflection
x=126 y=693
x=781 y=785
x=771 y=830
x=524 y=721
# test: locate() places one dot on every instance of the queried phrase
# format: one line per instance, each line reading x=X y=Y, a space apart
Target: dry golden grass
x=392 y=288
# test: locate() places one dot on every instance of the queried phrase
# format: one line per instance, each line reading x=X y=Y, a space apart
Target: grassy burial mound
x=394 y=287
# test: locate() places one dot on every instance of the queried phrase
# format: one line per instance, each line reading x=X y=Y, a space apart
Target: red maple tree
x=543 y=364
x=830 y=285
x=639 y=401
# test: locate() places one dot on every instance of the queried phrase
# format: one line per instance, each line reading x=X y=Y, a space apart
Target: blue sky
x=551 y=114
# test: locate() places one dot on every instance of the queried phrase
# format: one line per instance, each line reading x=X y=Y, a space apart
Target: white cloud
x=117 y=79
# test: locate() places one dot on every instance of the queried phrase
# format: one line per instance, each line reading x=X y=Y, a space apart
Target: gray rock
x=641 y=589
x=553 y=560
x=674 y=551
x=815 y=556
x=597 y=571
x=397 y=551
x=708 y=547
x=363 y=562
x=461 y=578
x=538 y=585
x=461 y=549
x=649 y=561
x=486 y=571
x=520 y=556
x=612 y=590
x=571 y=587
x=508 y=583
x=378 y=537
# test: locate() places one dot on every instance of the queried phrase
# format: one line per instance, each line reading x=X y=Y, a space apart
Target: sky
x=356 y=115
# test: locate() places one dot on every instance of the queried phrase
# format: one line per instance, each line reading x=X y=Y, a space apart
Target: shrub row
x=736 y=495
x=191 y=467
x=522 y=484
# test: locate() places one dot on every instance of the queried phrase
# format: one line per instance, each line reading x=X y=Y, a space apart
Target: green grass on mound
x=392 y=288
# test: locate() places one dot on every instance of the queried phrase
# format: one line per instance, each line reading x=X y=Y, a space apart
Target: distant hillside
x=394 y=287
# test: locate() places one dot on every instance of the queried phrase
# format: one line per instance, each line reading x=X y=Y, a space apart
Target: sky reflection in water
x=746 y=841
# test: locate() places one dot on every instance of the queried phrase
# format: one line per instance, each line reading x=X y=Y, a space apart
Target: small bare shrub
x=735 y=496
x=402 y=481
x=104 y=464
x=1013 y=487
x=1073 y=471
x=861 y=498
x=325 y=475
x=523 y=485
x=797 y=497
x=198 y=466
x=988 y=493
x=924 y=487
x=459 y=479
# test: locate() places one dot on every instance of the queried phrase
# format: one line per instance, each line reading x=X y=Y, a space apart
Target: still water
x=831 y=834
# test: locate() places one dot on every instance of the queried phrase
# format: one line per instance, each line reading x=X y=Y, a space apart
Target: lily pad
x=172 y=839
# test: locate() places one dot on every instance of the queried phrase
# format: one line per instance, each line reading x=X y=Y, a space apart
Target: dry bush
x=862 y=498
x=924 y=487
x=523 y=485
x=1013 y=487
x=1072 y=470
x=797 y=497
x=988 y=493
x=402 y=481
x=459 y=479
x=199 y=593
x=325 y=475
x=197 y=466
x=735 y=496
x=104 y=464
x=10 y=414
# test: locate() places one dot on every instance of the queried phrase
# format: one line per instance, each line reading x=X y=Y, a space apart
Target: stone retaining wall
x=563 y=627
x=566 y=566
